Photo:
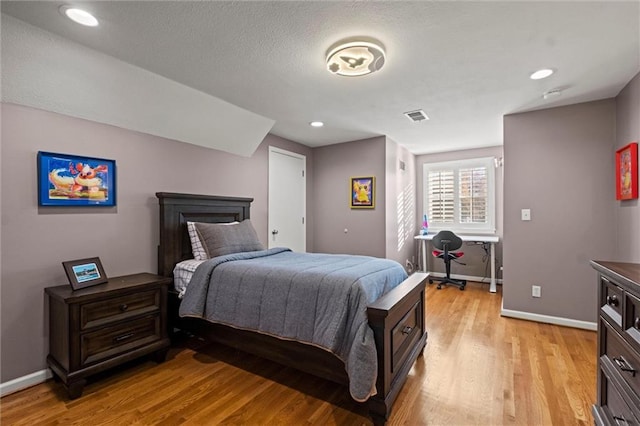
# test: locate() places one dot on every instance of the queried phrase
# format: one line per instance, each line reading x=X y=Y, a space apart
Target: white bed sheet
x=182 y=274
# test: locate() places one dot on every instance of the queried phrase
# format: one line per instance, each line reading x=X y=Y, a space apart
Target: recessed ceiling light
x=540 y=74
x=316 y=124
x=79 y=16
x=355 y=58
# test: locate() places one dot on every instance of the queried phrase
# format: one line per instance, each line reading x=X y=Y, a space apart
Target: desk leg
x=492 y=286
x=424 y=256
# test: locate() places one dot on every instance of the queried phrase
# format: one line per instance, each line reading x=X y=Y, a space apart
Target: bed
x=396 y=319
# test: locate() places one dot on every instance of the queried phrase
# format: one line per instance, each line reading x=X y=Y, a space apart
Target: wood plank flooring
x=478 y=369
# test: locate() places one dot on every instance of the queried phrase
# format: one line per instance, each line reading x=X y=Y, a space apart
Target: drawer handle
x=636 y=323
x=620 y=419
x=124 y=307
x=613 y=300
x=123 y=337
x=624 y=365
x=406 y=330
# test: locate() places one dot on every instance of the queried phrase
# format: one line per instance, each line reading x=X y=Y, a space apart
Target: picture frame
x=85 y=272
x=74 y=180
x=627 y=172
x=363 y=192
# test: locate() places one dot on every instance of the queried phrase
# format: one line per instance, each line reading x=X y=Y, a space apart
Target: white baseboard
x=487 y=280
x=25 y=382
x=548 y=319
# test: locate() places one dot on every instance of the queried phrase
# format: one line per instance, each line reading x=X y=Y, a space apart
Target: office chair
x=446 y=242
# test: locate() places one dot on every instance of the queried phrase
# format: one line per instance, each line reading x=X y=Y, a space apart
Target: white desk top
x=480 y=238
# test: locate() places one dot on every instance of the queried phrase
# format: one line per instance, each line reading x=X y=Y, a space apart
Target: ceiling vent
x=416 y=116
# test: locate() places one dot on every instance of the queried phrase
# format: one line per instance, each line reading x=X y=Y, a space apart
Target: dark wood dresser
x=99 y=327
x=618 y=344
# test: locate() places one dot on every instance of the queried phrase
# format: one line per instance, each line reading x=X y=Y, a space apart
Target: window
x=459 y=195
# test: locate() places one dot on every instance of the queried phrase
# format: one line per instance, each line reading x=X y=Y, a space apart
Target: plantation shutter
x=441 y=196
x=473 y=194
x=460 y=195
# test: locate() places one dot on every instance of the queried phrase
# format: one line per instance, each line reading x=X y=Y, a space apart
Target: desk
x=491 y=239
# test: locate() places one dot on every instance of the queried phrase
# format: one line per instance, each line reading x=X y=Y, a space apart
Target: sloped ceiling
x=46 y=71
x=465 y=63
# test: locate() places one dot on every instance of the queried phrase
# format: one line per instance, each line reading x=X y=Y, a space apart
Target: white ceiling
x=465 y=63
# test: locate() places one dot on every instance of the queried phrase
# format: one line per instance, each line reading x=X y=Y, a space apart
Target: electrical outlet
x=535 y=290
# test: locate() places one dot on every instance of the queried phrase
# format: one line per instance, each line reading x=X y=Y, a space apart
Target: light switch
x=526 y=214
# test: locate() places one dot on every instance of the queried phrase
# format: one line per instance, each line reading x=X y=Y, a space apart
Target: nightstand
x=99 y=327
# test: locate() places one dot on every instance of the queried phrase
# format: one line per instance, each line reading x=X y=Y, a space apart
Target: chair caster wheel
x=461 y=287
x=430 y=281
x=439 y=287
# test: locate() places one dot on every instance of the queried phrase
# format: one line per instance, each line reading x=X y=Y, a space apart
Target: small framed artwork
x=363 y=192
x=627 y=172
x=73 y=180
x=84 y=272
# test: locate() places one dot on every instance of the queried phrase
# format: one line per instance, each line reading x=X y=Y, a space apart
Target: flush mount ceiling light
x=540 y=74
x=355 y=58
x=316 y=124
x=79 y=16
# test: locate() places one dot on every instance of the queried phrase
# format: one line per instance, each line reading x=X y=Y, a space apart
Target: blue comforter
x=319 y=299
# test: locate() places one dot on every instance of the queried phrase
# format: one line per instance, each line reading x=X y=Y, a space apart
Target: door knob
x=274 y=232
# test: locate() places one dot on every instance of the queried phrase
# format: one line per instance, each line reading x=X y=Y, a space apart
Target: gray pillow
x=219 y=239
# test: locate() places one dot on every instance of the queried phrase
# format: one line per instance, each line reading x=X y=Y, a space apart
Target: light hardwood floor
x=478 y=369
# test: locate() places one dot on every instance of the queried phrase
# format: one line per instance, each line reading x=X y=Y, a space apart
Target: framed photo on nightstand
x=84 y=272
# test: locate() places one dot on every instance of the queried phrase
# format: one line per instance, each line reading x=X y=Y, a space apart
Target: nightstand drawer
x=114 y=309
x=110 y=341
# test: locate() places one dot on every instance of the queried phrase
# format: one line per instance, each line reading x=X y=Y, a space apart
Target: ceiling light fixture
x=79 y=16
x=316 y=124
x=355 y=58
x=540 y=74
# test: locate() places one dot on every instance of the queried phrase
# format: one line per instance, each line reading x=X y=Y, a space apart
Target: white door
x=287 y=199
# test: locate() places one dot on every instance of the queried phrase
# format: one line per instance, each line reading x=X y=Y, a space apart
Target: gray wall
x=559 y=164
x=473 y=255
x=333 y=166
x=400 y=208
x=36 y=240
x=627 y=213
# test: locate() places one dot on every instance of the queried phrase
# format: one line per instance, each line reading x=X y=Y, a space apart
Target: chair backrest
x=448 y=238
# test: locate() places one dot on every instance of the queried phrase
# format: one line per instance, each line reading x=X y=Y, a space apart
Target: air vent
x=416 y=116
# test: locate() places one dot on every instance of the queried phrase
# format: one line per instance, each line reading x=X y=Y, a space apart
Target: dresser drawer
x=117 y=308
x=404 y=335
x=611 y=298
x=616 y=409
x=632 y=320
x=622 y=357
x=110 y=341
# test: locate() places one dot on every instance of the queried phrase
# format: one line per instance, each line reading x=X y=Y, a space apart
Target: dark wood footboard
x=398 y=324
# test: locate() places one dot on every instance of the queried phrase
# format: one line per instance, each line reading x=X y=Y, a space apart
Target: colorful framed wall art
x=627 y=172
x=73 y=180
x=363 y=192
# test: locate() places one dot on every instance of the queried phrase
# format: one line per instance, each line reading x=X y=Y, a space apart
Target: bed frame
x=397 y=319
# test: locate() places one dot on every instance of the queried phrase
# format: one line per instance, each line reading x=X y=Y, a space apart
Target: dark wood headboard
x=178 y=209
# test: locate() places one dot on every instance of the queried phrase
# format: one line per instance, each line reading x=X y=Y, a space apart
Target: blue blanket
x=319 y=299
